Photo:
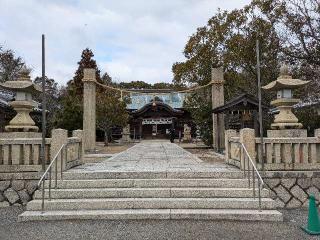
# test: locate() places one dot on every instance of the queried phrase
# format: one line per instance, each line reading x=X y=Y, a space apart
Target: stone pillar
x=125 y=134
x=217 y=81
x=317 y=133
x=247 y=138
x=228 y=134
x=58 y=138
x=79 y=134
x=89 y=108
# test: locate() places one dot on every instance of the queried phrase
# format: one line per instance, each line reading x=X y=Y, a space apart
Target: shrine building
x=154 y=111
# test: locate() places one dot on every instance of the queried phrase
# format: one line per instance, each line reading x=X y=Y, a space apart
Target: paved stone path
x=155 y=156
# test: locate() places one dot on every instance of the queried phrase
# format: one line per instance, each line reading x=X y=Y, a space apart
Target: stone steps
x=187 y=192
x=164 y=214
x=151 y=203
x=154 y=183
x=75 y=175
x=152 y=195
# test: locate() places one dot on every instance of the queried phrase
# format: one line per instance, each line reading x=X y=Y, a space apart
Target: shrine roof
x=173 y=99
x=243 y=101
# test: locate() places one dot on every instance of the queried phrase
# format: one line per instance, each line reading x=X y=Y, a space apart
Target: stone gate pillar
x=217 y=81
x=89 y=108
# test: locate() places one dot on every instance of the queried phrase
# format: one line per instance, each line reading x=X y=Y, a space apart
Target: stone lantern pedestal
x=22 y=125
x=186 y=133
x=125 y=134
x=285 y=123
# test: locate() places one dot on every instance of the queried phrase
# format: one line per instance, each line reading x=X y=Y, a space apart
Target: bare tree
x=10 y=65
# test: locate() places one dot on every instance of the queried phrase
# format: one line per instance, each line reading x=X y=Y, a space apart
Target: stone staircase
x=152 y=195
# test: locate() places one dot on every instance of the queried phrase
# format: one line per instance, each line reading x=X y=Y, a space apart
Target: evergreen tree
x=86 y=61
x=52 y=100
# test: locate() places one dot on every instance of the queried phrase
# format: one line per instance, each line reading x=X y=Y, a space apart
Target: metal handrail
x=254 y=172
x=49 y=170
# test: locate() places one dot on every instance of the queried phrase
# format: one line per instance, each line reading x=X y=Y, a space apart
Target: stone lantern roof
x=285 y=81
x=23 y=83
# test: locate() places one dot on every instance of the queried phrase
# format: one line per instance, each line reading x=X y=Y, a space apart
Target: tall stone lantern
x=285 y=123
x=22 y=124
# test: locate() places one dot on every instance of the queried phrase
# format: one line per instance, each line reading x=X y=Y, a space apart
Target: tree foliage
x=111 y=112
x=52 y=100
x=288 y=31
x=10 y=65
x=86 y=61
x=201 y=113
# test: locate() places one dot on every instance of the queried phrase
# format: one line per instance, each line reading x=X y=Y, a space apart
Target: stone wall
x=291 y=189
x=17 y=188
x=18 y=179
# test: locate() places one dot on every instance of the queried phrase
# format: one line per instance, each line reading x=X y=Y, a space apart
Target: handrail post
x=260 y=196
x=254 y=171
x=248 y=166
x=43 y=177
x=42 y=203
x=61 y=163
x=253 y=183
x=56 y=174
x=50 y=183
x=243 y=155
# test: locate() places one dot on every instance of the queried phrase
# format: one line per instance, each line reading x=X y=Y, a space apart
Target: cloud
x=132 y=40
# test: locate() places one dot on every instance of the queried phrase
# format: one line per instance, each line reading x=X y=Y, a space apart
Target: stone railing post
x=247 y=138
x=317 y=133
x=79 y=134
x=59 y=137
x=228 y=134
x=89 y=108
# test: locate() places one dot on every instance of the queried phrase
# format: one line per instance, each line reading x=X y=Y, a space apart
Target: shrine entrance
x=154 y=120
x=161 y=111
x=156 y=128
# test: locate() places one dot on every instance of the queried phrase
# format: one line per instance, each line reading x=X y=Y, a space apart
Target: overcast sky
x=131 y=39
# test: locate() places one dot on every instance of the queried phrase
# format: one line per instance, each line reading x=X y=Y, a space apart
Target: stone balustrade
x=291 y=164
x=280 y=153
x=290 y=153
x=74 y=152
x=23 y=154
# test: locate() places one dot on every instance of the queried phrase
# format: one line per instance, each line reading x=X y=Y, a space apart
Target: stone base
x=283 y=126
x=287 y=133
x=20 y=135
x=12 y=128
x=125 y=138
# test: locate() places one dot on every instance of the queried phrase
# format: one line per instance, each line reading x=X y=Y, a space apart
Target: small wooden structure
x=241 y=112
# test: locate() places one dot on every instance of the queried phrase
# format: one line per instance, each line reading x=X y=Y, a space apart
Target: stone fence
x=280 y=153
x=21 y=166
x=292 y=165
x=23 y=154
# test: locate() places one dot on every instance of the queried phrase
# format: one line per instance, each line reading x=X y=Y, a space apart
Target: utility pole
x=43 y=145
x=261 y=158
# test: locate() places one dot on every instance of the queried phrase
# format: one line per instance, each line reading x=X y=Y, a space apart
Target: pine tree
x=86 y=61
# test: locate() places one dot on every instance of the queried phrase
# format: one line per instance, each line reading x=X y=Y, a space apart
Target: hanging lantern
x=246 y=116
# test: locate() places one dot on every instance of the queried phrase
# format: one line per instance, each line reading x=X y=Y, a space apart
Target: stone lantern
x=285 y=119
x=22 y=104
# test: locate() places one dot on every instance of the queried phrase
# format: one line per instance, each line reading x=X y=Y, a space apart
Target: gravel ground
x=112 y=148
x=207 y=155
x=10 y=229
